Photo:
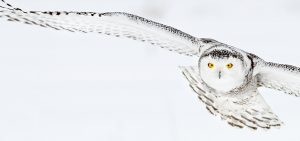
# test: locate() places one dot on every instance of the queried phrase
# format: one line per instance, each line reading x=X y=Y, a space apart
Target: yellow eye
x=229 y=66
x=210 y=65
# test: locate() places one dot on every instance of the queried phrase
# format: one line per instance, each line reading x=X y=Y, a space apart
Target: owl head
x=222 y=69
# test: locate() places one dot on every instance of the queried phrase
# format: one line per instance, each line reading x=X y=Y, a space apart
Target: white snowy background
x=61 y=86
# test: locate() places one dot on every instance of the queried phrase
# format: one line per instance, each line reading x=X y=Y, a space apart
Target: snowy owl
x=226 y=79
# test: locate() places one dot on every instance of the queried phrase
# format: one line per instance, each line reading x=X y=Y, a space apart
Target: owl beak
x=220 y=74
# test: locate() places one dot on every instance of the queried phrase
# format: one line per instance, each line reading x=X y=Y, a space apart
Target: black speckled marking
x=93 y=14
x=284 y=66
x=223 y=53
x=252 y=62
x=207 y=40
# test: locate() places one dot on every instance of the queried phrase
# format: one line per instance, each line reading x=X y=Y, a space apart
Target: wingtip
x=7 y=6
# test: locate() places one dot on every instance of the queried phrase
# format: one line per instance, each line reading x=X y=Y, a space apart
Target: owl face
x=222 y=72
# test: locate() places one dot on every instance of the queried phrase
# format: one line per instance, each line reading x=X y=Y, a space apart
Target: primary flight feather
x=226 y=78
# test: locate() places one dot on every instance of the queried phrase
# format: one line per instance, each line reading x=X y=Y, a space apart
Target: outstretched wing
x=111 y=23
x=252 y=111
x=280 y=77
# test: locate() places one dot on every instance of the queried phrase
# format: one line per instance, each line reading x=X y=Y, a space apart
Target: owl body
x=225 y=78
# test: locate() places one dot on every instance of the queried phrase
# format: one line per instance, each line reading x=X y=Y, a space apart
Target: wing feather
x=117 y=24
x=252 y=112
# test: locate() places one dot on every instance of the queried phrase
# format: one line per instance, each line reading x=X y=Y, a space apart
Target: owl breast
x=224 y=85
